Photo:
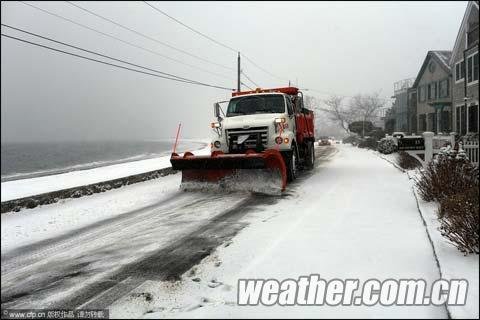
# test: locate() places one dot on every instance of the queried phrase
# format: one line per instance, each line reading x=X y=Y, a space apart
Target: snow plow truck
x=260 y=141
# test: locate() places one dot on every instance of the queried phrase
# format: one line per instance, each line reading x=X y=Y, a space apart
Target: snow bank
x=28 y=187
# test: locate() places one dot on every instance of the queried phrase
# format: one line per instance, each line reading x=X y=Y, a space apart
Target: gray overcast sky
x=333 y=47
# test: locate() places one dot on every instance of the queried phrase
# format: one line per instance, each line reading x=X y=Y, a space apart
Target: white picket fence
x=434 y=143
x=471 y=149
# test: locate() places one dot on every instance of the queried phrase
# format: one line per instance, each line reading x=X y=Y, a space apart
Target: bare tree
x=366 y=107
x=360 y=108
x=323 y=122
x=338 y=112
x=310 y=102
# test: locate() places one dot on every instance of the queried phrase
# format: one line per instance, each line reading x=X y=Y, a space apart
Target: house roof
x=442 y=57
x=471 y=5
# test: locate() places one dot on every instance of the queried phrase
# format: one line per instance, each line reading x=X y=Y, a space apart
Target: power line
x=96 y=53
x=112 y=64
x=263 y=69
x=121 y=40
x=190 y=28
x=148 y=37
x=248 y=78
x=245 y=85
x=213 y=40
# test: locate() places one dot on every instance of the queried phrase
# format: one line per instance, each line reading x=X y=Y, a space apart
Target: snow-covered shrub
x=407 y=162
x=453 y=182
x=460 y=220
x=446 y=176
x=386 y=146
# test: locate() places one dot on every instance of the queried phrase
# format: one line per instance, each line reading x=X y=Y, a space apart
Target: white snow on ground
x=355 y=218
x=27 y=187
x=101 y=252
x=48 y=221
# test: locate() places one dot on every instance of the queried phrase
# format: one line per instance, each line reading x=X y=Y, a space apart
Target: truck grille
x=260 y=133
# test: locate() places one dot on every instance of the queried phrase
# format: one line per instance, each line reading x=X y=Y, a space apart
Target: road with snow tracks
x=94 y=266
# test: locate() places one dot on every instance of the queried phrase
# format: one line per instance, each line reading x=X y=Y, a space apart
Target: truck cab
x=267 y=119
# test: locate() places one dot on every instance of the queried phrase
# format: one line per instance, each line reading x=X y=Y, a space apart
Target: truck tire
x=291 y=161
x=310 y=156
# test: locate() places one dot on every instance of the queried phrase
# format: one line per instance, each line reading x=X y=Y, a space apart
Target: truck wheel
x=291 y=162
x=310 y=156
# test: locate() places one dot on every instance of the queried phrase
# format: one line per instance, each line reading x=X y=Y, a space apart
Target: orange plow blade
x=263 y=172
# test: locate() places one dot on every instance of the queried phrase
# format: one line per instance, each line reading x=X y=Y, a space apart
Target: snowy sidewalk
x=356 y=217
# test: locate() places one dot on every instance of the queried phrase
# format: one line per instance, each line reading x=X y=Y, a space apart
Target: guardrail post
x=428 y=137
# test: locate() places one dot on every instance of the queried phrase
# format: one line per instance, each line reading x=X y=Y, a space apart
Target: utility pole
x=238 y=72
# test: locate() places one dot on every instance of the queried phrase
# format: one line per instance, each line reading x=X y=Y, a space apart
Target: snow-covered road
x=150 y=250
x=355 y=217
x=91 y=251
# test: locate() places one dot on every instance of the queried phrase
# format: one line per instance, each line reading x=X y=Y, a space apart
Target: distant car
x=324 y=141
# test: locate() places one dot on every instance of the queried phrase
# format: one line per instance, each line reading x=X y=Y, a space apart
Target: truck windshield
x=256 y=104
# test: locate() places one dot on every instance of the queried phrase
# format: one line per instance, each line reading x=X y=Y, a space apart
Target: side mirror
x=216 y=107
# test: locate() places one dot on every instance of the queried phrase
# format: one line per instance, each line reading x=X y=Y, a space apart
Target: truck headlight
x=215 y=125
x=280 y=120
x=217 y=144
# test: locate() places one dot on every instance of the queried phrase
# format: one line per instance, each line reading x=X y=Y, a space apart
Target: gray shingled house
x=464 y=65
x=433 y=90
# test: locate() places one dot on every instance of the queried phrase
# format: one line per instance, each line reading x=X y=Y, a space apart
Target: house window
x=432 y=91
x=421 y=94
x=472 y=36
x=413 y=124
x=432 y=122
x=444 y=90
x=458 y=118
x=475 y=67
x=422 y=122
x=445 y=121
x=460 y=71
x=472 y=68
x=473 y=119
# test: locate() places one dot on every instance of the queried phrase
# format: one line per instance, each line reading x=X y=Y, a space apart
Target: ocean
x=28 y=160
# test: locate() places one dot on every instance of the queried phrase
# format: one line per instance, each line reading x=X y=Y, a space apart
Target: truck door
x=300 y=120
x=291 y=114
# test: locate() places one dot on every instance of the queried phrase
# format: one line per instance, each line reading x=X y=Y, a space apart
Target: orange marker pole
x=176 y=138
